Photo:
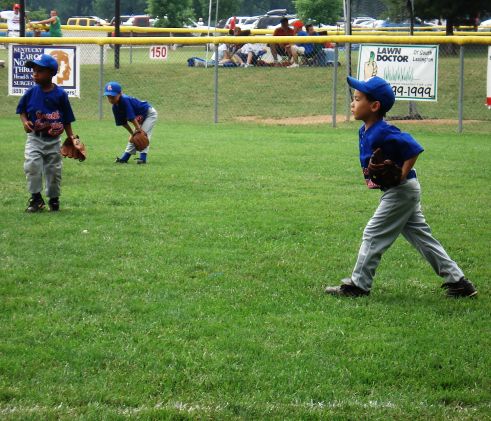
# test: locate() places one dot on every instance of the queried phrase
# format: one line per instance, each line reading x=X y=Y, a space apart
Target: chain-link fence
x=179 y=78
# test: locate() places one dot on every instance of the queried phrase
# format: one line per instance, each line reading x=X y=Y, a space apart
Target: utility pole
x=117 y=31
x=22 y=13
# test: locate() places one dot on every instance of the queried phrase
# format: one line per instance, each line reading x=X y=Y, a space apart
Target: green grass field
x=197 y=291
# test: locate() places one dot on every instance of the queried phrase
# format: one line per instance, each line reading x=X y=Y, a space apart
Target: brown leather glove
x=383 y=172
x=140 y=140
x=74 y=148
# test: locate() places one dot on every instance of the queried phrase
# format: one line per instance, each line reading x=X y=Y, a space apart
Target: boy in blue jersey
x=45 y=113
x=399 y=211
x=127 y=109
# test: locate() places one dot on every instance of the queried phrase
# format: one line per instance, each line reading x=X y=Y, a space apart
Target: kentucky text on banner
x=68 y=76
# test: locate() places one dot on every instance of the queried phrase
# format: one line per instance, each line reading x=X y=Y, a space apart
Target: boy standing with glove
x=399 y=211
x=45 y=113
x=127 y=109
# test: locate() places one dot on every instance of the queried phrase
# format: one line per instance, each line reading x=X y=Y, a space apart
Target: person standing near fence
x=13 y=20
x=127 y=109
x=399 y=211
x=54 y=24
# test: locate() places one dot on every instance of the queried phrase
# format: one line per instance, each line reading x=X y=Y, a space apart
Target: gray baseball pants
x=147 y=127
x=399 y=212
x=42 y=156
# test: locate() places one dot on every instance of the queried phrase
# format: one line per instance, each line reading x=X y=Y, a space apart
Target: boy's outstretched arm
x=136 y=124
x=128 y=127
x=69 y=131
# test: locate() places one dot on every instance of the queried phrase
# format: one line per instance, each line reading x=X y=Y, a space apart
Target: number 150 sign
x=159 y=52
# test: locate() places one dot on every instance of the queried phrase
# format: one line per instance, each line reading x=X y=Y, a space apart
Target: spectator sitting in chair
x=308 y=50
x=282 y=49
x=250 y=53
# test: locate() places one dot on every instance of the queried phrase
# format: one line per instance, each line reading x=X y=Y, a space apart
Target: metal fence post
x=101 y=78
x=216 y=86
x=348 y=89
x=334 y=85
x=131 y=49
x=461 y=90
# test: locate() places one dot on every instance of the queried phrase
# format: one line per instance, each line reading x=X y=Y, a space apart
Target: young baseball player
x=45 y=113
x=127 y=109
x=399 y=211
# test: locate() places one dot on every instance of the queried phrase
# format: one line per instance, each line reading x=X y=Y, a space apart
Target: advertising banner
x=20 y=76
x=412 y=70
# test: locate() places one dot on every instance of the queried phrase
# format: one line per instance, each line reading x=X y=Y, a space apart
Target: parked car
x=86 y=21
x=272 y=19
x=200 y=25
x=363 y=22
x=250 y=23
x=485 y=26
x=402 y=24
x=239 y=21
x=143 y=21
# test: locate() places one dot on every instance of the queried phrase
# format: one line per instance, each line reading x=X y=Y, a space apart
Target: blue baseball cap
x=378 y=88
x=112 y=89
x=44 y=60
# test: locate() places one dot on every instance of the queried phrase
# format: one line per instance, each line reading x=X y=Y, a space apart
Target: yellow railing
x=354 y=39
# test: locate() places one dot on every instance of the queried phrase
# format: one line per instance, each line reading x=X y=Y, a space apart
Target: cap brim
x=32 y=63
x=356 y=84
x=110 y=93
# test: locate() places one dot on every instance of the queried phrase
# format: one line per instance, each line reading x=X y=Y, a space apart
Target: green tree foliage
x=105 y=8
x=226 y=8
x=454 y=12
x=319 y=11
x=177 y=12
x=40 y=14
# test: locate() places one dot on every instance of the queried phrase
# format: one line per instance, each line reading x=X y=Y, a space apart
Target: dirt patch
x=327 y=119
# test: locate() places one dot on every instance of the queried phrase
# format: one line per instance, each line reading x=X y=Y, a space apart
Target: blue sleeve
x=130 y=112
x=402 y=147
x=66 y=109
x=22 y=106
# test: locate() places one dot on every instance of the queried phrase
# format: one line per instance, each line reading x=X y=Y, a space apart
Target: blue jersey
x=129 y=108
x=48 y=111
x=396 y=145
x=309 y=47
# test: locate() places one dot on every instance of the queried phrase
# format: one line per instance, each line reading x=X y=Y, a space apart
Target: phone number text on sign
x=413 y=91
x=159 y=52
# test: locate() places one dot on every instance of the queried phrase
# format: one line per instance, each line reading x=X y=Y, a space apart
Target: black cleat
x=120 y=161
x=54 y=204
x=346 y=290
x=35 y=205
x=462 y=288
x=141 y=161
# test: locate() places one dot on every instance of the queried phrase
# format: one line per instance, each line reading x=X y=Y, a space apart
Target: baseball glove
x=140 y=140
x=74 y=149
x=383 y=172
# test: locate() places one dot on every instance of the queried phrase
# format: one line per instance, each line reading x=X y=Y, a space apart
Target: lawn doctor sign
x=20 y=76
x=412 y=70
